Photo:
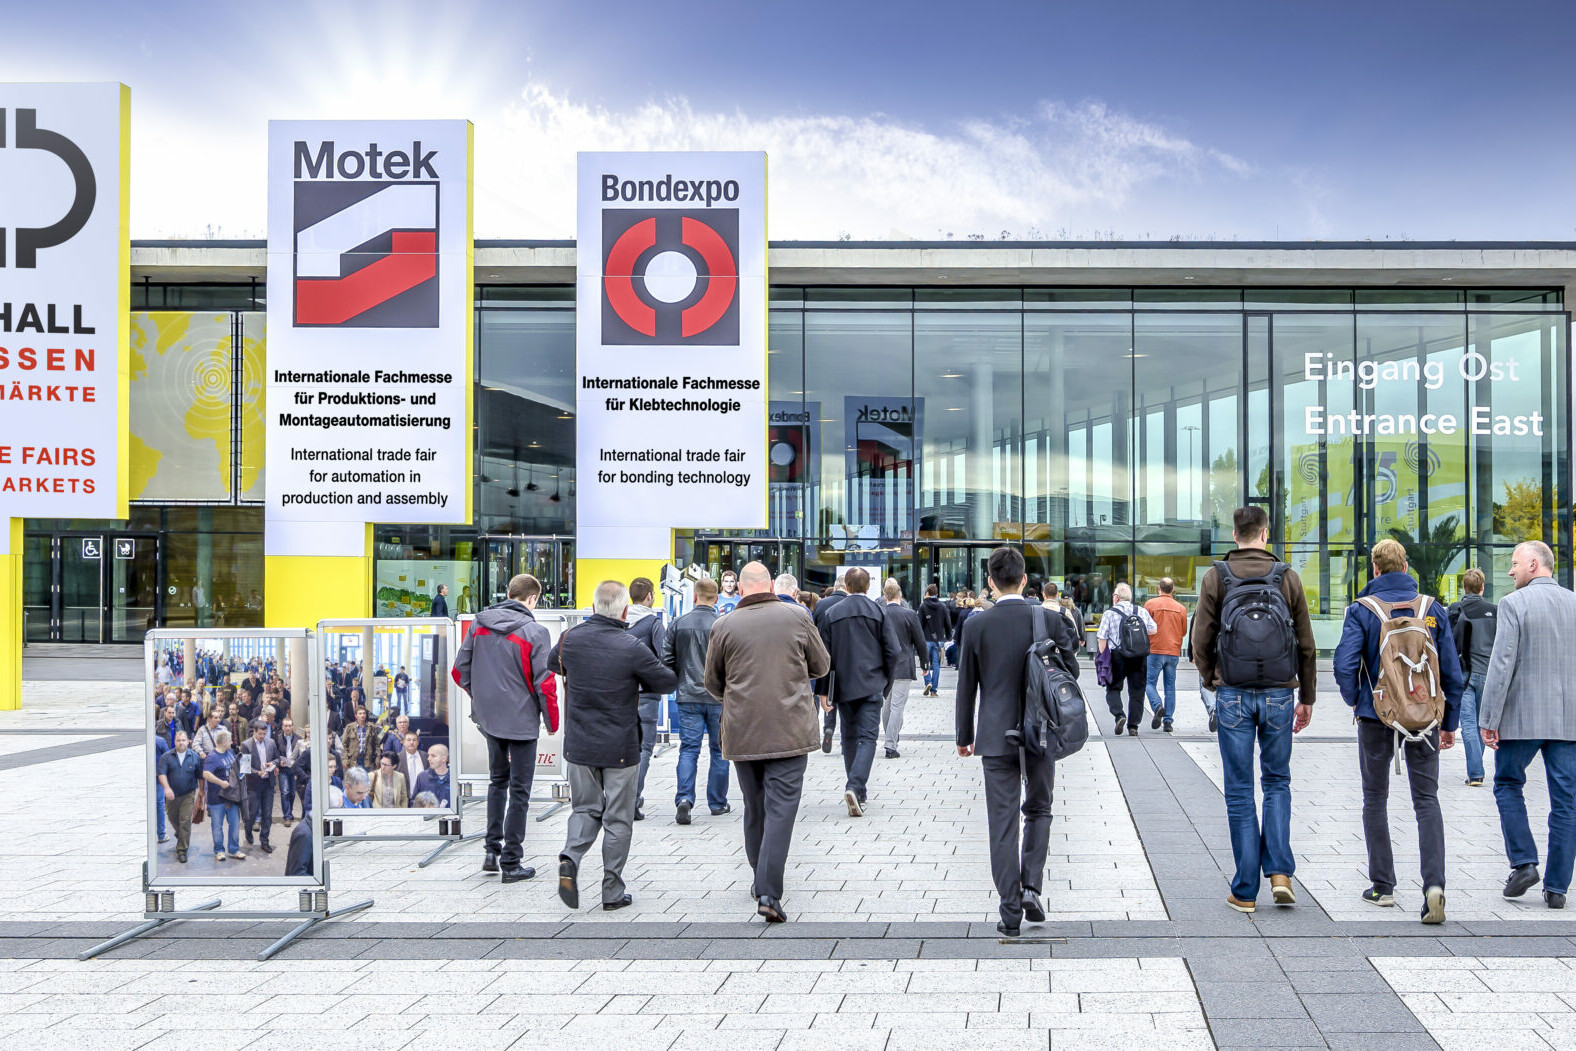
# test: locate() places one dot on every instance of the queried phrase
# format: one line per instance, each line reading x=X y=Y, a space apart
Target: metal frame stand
x=554 y=803
x=160 y=909
x=448 y=831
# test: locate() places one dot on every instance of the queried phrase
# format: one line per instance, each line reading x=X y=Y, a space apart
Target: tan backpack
x=1408 y=694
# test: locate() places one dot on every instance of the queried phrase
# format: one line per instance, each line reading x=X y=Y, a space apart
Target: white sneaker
x=855 y=809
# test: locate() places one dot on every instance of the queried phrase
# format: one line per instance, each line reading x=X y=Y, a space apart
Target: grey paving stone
x=1364 y=980
x=768 y=949
x=1250 y=969
x=1266 y=1032
x=552 y=949
x=814 y=929
x=1537 y=946
x=1249 y=1000
x=975 y=949
x=619 y=931
x=431 y=949
x=224 y=949
x=500 y=930
x=947 y=929
x=1387 y=1041
x=664 y=949
x=724 y=930
x=877 y=949
x=1360 y=1013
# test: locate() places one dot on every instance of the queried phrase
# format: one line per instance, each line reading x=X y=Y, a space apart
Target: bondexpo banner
x=670 y=348
x=369 y=329
x=65 y=281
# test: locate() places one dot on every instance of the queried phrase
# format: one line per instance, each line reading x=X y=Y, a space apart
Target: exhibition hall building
x=1103 y=405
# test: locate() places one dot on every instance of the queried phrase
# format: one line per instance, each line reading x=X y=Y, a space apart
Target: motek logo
x=29 y=136
x=366 y=252
x=670 y=277
x=884 y=414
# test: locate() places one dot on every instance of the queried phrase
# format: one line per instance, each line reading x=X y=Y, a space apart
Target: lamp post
x=1192 y=491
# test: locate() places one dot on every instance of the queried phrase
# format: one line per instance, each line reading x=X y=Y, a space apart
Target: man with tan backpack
x=1396 y=666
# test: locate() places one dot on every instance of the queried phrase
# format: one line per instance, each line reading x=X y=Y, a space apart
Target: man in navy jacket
x=1356 y=667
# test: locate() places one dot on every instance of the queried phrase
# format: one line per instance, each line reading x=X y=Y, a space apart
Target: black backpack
x=1055 y=721
x=1132 y=639
x=1257 y=643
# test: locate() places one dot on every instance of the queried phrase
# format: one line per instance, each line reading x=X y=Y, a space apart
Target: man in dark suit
x=263 y=753
x=991 y=658
x=862 y=641
x=829 y=721
x=911 y=639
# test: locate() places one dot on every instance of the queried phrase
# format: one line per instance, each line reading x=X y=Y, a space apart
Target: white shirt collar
x=1010 y=598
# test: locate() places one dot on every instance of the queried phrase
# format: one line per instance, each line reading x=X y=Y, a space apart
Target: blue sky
x=1264 y=120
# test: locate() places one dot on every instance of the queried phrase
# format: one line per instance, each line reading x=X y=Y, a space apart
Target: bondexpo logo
x=670 y=277
x=366 y=250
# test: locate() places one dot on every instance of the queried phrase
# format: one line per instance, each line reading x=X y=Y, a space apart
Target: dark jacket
x=1474 y=624
x=502 y=664
x=1358 y=651
x=650 y=631
x=684 y=653
x=440 y=605
x=605 y=670
x=911 y=639
x=760 y=665
x=991 y=658
x=863 y=644
x=934 y=620
x=184 y=773
x=1248 y=562
x=826 y=605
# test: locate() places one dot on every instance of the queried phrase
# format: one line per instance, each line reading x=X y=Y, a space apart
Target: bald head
x=755 y=579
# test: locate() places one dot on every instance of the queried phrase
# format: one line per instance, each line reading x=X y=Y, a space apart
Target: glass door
x=40 y=587
x=550 y=560
x=81 y=589
x=132 y=566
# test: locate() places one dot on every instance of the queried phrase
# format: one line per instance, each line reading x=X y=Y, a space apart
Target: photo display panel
x=670 y=348
x=232 y=778
x=369 y=326
x=388 y=694
x=65 y=287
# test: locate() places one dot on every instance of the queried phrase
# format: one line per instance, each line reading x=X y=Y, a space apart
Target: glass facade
x=1108 y=431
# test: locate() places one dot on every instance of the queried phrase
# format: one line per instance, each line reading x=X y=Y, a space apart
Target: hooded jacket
x=605 y=669
x=1358 y=651
x=934 y=620
x=645 y=624
x=502 y=664
x=1475 y=623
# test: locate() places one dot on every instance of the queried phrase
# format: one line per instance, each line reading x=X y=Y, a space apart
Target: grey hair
x=1538 y=550
x=610 y=599
x=424 y=800
x=221 y=739
x=1122 y=593
x=787 y=584
x=357 y=776
x=891 y=590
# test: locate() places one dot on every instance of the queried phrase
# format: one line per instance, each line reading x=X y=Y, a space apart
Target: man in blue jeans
x=863 y=644
x=1249 y=714
x=700 y=714
x=935 y=621
x=1473 y=622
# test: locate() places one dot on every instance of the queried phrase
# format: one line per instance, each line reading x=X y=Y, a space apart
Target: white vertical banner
x=670 y=348
x=65 y=287
x=370 y=290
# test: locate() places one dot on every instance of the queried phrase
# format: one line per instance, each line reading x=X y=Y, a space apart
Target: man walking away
x=911 y=640
x=991 y=660
x=1253 y=644
x=605 y=669
x=1474 y=621
x=1529 y=707
x=864 y=648
x=1364 y=662
x=700 y=714
x=761 y=665
x=502 y=664
x=1125 y=630
x=936 y=623
x=645 y=624
x=1165 y=650
x=838 y=593
x=787 y=588
x=440 y=601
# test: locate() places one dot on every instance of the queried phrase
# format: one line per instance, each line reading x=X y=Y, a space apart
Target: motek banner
x=369 y=329
x=65 y=287
x=670 y=348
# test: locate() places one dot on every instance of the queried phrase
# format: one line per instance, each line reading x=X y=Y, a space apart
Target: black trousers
x=1013 y=785
x=510 y=767
x=1135 y=674
x=1375 y=754
x=771 y=790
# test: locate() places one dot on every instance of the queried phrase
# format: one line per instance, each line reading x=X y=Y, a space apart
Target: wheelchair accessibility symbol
x=91 y=549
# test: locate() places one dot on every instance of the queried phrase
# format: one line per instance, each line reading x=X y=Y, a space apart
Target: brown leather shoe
x=1240 y=905
x=1280 y=887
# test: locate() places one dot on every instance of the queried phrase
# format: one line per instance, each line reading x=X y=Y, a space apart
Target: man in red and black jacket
x=503 y=666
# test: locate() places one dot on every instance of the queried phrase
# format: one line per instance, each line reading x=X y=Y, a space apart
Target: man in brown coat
x=761 y=662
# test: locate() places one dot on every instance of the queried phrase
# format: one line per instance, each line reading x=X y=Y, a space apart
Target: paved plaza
x=892 y=943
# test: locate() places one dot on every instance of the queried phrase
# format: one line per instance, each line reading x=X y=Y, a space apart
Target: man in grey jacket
x=502 y=664
x=1529 y=707
x=700 y=714
x=760 y=664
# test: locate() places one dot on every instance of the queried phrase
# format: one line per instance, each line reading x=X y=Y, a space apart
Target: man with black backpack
x=1396 y=666
x=1124 y=630
x=1253 y=645
x=991 y=664
x=1473 y=622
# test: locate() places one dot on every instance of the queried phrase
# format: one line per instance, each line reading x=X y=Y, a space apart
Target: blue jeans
x=933 y=676
x=1264 y=716
x=1161 y=664
x=219 y=814
x=695 y=721
x=1471 y=739
x=286 y=794
x=158 y=793
x=861 y=726
x=1510 y=778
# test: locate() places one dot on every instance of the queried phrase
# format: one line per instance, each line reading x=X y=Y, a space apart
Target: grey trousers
x=650 y=708
x=771 y=789
x=1375 y=754
x=1011 y=785
x=892 y=706
x=603 y=799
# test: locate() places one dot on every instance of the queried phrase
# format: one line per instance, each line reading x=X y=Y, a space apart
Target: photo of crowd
x=230 y=760
x=389 y=729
